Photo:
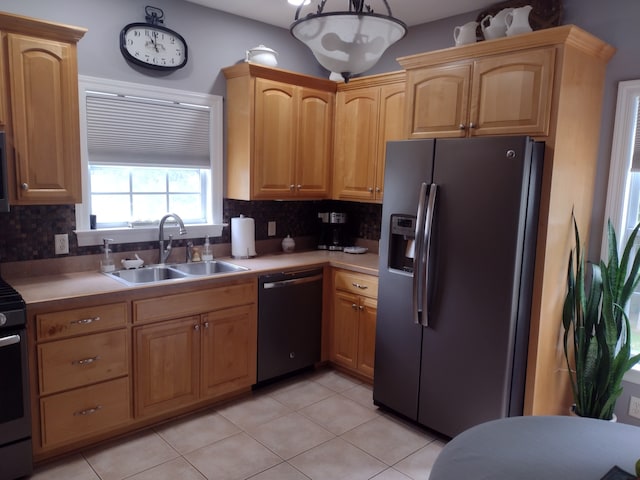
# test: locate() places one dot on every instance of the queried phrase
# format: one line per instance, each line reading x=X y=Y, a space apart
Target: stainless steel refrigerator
x=457 y=248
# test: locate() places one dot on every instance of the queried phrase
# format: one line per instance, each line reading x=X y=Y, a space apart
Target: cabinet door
x=314 y=143
x=275 y=134
x=43 y=78
x=391 y=127
x=344 y=347
x=356 y=149
x=367 y=336
x=511 y=94
x=229 y=349
x=166 y=362
x=438 y=101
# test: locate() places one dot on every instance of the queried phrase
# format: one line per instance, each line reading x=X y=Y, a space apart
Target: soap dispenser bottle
x=106 y=262
x=207 y=250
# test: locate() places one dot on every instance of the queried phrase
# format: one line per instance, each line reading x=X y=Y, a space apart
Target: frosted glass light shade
x=347 y=42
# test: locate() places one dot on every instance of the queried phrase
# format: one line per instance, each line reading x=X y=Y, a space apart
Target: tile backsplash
x=27 y=231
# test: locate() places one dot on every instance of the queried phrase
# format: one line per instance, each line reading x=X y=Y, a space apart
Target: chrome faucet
x=165 y=252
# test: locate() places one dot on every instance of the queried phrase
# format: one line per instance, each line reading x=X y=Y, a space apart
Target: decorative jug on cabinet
x=518 y=21
x=465 y=34
x=262 y=55
x=495 y=26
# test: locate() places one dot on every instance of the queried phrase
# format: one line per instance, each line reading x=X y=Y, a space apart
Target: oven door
x=15 y=416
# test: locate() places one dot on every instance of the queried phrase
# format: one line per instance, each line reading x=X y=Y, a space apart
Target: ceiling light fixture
x=349 y=42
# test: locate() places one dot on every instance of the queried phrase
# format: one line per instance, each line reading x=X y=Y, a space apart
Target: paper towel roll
x=243 y=237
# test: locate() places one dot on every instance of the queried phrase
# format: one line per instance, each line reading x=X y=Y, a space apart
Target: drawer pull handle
x=361 y=287
x=86 y=361
x=88 y=411
x=85 y=321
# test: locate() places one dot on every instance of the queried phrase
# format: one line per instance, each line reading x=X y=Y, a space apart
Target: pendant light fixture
x=348 y=42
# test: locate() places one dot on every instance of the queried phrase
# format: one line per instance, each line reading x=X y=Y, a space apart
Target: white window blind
x=129 y=130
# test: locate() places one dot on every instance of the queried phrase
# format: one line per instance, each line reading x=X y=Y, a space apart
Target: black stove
x=15 y=419
x=10 y=299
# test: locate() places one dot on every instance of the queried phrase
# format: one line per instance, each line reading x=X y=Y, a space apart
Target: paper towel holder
x=243 y=237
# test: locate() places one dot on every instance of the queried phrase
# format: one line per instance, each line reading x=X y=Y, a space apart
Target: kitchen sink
x=208 y=268
x=164 y=273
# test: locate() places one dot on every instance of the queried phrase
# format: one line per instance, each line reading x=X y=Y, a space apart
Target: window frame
x=622 y=147
x=214 y=224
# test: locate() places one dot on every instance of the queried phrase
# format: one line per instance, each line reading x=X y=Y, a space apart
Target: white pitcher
x=518 y=21
x=465 y=34
x=495 y=26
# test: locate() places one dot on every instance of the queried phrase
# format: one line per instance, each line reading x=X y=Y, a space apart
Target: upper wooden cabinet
x=280 y=131
x=548 y=84
x=39 y=110
x=369 y=112
x=494 y=95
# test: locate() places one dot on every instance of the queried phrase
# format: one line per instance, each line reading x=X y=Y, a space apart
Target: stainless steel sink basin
x=164 y=273
x=156 y=273
x=208 y=268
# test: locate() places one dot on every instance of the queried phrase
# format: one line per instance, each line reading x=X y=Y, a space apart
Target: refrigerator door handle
x=428 y=227
x=419 y=254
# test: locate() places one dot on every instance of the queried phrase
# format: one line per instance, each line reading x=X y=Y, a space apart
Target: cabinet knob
x=299 y=187
x=461 y=126
x=206 y=324
x=292 y=355
x=472 y=125
x=292 y=187
x=354 y=306
x=361 y=307
x=196 y=327
x=370 y=189
x=24 y=186
x=378 y=189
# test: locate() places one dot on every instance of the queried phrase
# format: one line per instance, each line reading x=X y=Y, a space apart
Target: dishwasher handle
x=293 y=281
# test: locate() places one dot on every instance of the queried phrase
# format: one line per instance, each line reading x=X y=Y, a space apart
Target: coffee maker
x=333 y=231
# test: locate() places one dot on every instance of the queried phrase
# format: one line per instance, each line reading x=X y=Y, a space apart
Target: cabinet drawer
x=366 y=285
x=194 y=303
x=80 y=321
x=80 y=361
x=83 y=412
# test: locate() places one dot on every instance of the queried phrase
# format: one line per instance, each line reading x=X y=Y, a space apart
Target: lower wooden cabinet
x=354 y=322
x=83 y=412
x=167 y=357
x=182 y=361
x=81 y=385
x=229 y=350
x=106 y=368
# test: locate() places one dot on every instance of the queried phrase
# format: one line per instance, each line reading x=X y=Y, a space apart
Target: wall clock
x=152 y=45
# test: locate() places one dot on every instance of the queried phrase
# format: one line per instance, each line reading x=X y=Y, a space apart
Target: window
x=148 y=151
x=623 y=195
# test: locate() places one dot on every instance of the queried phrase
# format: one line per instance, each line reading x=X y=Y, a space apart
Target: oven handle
x=10 y=340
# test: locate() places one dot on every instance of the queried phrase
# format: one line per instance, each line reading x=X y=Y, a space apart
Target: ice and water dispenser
x=402 y=243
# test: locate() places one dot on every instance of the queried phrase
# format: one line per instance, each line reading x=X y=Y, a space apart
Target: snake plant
x=597 y=343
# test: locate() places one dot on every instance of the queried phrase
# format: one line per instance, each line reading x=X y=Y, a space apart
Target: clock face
x=153 y=46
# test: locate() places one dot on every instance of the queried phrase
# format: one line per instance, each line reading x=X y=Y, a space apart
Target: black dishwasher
x=289 y=322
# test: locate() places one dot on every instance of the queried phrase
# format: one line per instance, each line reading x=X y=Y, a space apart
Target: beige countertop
x=46 y=288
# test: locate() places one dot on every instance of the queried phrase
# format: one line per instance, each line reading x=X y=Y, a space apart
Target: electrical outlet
x=634 y=407
x=62 y=243
x=271 y=229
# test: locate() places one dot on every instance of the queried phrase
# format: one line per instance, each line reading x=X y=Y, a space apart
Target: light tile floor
x=321 y=426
